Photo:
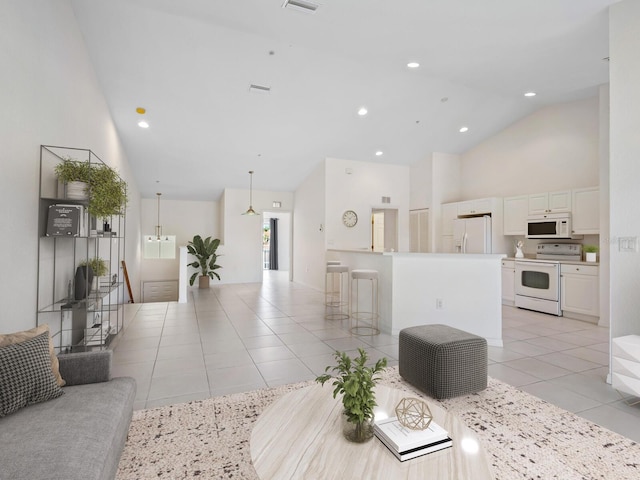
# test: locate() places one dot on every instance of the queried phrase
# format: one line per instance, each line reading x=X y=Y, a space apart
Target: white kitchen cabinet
x=508 y=282
x=449 y=214
x=550 y=202
x=516 y=210
x=419 y=230
x=481 y=206
x=586 y=211
x=580 y=289
x=625 y=367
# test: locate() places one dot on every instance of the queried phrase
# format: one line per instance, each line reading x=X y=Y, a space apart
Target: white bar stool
x=364 y=322
x=336 y=292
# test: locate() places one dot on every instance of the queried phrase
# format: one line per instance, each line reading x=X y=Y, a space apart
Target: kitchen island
x=462 y=291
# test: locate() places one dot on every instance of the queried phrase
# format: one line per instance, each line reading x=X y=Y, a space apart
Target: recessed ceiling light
x=363 y=111
x=464 y=129
x=379 y=153
x=413 y=64
x=530 y=94
x=143 y=124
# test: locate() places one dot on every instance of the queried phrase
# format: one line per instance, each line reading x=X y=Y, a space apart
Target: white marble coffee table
x=299 y=436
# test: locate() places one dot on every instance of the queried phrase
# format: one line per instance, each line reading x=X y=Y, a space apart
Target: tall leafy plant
x=205 y=253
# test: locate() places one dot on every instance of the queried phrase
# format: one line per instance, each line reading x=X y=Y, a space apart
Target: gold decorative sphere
x=413 y=413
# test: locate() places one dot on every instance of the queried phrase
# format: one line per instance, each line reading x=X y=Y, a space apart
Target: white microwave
x=550 y=225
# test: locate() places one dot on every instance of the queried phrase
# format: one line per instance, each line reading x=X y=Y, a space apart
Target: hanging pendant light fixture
x=158 y=226
x=250 y=211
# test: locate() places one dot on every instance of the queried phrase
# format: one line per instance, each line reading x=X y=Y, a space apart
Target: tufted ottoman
x=443 y=361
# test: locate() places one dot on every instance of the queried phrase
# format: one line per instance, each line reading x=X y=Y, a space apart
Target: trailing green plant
x=355 y=381
x=205 y=252
x=107 y=191
x=590 y=248
x=98 y=265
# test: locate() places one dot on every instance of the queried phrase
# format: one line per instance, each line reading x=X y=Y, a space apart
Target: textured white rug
x=525 y=437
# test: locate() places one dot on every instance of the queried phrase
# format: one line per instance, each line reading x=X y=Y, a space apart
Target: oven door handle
x=538 y=264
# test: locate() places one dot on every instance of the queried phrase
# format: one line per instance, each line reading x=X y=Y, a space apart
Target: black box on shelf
x=64 y=220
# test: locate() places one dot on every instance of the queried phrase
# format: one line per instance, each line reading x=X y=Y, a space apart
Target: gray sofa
x=79 y=435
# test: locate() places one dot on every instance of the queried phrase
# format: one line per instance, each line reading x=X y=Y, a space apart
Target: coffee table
x=299 y=436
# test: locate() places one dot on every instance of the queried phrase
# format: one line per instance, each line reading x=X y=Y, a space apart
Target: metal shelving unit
x=90 y=322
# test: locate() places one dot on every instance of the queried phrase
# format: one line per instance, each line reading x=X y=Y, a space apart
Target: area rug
x=525 y=437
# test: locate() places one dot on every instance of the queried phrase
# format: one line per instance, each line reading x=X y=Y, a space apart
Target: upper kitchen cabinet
x=516 y=210
x=586 y=211
x=482 y=206
x=550 y=202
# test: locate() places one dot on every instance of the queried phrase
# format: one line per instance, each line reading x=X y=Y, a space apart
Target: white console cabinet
x=625 y=369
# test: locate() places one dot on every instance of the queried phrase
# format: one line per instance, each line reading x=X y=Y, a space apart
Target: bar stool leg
x=364 y=322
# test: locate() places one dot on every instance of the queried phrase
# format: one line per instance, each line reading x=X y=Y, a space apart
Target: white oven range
x=537 y=285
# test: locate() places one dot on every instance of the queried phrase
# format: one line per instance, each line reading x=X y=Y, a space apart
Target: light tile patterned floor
x=234 y=338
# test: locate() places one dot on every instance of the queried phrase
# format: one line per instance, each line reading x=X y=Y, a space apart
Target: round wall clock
x=349 y=218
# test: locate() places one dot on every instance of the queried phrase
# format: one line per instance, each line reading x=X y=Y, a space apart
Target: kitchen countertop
x=566 y=262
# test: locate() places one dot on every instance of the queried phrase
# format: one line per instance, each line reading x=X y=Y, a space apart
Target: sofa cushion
x=79 y=436
x=25 y=374
x=17 y=337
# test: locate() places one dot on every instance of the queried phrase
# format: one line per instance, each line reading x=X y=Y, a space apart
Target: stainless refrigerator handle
x=464 y=243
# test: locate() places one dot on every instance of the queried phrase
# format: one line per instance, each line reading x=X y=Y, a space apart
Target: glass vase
x=359 y=432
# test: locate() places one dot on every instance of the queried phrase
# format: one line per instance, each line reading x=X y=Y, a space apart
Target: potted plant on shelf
x=205 y=253
x=98 y=268
x=100 y=184
x=590 y=252
x=355 y=381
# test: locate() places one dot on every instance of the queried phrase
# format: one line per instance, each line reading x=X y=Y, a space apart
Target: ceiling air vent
x=300 y=6
x=259 y=88
x=386 y=199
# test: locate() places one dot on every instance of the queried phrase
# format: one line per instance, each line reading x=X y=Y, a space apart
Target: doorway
x=384 y=229
x=276 y=241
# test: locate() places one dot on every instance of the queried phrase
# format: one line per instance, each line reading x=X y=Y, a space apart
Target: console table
x=299 y=436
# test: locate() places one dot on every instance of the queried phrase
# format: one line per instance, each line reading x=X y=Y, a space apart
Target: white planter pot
x=590 y=256
x=76 y=190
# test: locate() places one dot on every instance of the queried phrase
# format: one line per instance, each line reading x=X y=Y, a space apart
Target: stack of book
x=405 y=443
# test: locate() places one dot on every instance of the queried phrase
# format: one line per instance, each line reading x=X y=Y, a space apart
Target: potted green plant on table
x=205 y=253
x=590 y=252
x=355 y=381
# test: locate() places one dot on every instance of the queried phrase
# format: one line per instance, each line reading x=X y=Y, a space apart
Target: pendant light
x=250 y=211
x=158 y=226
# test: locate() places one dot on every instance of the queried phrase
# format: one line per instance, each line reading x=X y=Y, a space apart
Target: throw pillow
x=17 y=337
x=25 y=374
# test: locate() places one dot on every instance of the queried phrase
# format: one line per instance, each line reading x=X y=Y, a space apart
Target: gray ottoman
x=443 y=361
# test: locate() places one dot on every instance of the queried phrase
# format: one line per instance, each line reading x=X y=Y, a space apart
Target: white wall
x=624 y=171
x=360 y=191
x=49 y=95
x=242 y=249
x=446 y=188
x=604 y=238
x=554 y=148
x=309 y=263
x=181 y=218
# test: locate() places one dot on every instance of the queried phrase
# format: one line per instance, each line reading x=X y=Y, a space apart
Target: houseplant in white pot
x=205 y=253
x=590 y=252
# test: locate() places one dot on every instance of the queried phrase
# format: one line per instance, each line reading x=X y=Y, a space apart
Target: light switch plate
x=628 y=244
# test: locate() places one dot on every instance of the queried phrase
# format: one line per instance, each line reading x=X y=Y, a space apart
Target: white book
x=402 y=438
x=418 y=452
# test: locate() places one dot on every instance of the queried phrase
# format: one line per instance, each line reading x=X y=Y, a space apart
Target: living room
x=52 y=94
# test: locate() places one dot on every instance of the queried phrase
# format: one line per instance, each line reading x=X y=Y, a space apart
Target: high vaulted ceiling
x=190 y=64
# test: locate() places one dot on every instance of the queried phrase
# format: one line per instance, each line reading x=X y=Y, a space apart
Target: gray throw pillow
x=25 y=374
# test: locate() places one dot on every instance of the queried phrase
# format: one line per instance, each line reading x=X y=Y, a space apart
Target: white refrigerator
x=472 y=235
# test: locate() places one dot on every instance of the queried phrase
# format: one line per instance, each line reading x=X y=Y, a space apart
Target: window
x=165 y=247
